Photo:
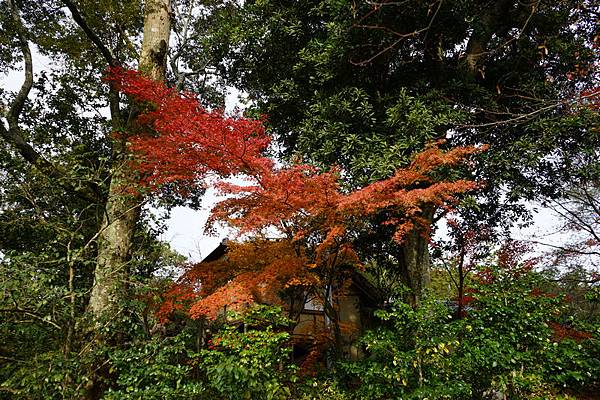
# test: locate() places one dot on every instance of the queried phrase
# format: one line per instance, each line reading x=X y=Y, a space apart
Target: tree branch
x=479 y=39
x=401 y=36
x=13 y=135
x=565 y=249
x=105 y=51
x=575 y=218
x=19 y=102
x=32 y=314
x=115 y=110
x=181 y=76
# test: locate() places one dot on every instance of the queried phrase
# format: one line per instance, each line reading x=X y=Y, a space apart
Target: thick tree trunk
x=491 y=20
x=114 y=244
x=415 y=263
x=157 y=28
x=123 y=203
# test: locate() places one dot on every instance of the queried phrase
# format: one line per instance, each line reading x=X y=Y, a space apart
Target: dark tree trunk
x=415 y=263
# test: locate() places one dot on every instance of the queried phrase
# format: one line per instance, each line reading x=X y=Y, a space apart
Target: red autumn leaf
x=181 y=141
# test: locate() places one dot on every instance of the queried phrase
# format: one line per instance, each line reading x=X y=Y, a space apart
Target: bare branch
x=181 y=76
x=519 y=118
x=115 y=110
x=17 y=106
x=105 y=51
x=576 y=218
x=565 y=249
x=401 y=36
x=13 y=133
x=592 y=201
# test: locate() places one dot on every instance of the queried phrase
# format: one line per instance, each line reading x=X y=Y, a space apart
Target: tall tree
x=365 y=84
x=123 y=203
x=58 y=25
x=307 y=207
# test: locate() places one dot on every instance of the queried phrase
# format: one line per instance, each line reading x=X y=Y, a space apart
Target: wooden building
x=355 y=305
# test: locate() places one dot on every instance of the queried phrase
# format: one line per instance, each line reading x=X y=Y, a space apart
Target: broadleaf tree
x=315 y=217
x=365 y=85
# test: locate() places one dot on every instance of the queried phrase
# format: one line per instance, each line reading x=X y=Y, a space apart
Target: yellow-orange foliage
x=189 y=143
x=314 y=216
x=299 y=200
x=253 y=271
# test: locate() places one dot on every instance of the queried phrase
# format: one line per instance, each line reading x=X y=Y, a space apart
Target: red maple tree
x=182 y=141
x=305 y=205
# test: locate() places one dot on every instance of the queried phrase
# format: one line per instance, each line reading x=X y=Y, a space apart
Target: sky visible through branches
x=185 y=227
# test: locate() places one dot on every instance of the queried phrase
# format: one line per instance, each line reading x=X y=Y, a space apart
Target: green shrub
x=253 y=363
x=158 y=369
x=412 y=357
x=504 y=345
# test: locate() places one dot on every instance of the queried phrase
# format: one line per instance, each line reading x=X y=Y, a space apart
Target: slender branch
x=590 y=281
x=449 y=271
x=378 y=5
x=13 y=133
x=401 y=36
x=103 y=228
x=128 y=43
x=519 y=118
x=11 y=360
x=476 y=44
x=554 y=104
x=591 y=201
x=565 y=249
x=576 y=218
x=534 y=8
x=105 y=51
x=183 y=75
x=115 y=110
x=31 y=314
x=476 y=55
x=387 y=3
x=184 y=37
x=19 y=101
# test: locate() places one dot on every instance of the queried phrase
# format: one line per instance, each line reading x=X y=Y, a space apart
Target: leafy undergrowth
x=515 y=341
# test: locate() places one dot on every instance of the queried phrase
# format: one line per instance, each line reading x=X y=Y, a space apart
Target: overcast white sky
x=186 y=226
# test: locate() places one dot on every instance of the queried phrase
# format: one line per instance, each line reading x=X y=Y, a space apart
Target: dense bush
x=158 y=369
x=516 y=340
x=246 y=358
x=504 y=345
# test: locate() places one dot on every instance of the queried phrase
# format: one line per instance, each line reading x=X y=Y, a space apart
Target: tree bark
x=493 y=17
x=157 y=29
x=415 y=262
x=124 y=200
